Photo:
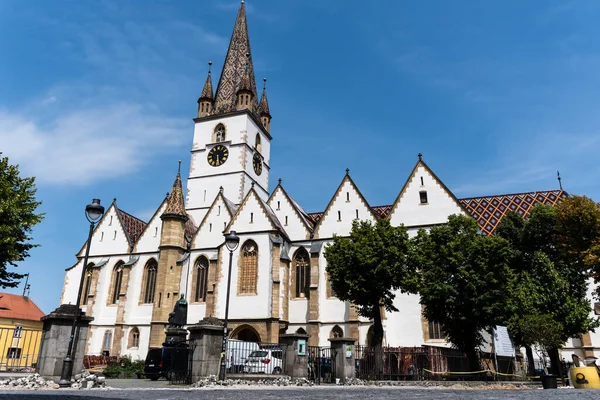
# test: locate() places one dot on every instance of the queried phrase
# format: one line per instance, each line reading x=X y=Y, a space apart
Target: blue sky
x=97 y=100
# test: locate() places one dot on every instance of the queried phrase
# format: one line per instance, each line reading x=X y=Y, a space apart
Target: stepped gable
x=489 y=210
x=133 y=226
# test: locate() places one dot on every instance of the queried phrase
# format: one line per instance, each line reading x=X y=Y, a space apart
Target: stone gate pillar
x=207 y=336
x=343 y=348
x=296 y=354
x=55 y=340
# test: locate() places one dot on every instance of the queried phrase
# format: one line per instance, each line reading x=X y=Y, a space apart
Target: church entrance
x=246 y=333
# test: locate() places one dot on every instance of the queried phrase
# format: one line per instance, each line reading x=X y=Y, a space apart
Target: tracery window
x=201 y=279
x=117 y=280
x=150 y=281
x=248 y=274
x=220 y=133
x=134 y=337
x=302 y=273
x=87 y=285
x=107 y=340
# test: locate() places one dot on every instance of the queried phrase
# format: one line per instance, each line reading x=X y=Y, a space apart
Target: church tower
x=168 y=274
x=231 y=147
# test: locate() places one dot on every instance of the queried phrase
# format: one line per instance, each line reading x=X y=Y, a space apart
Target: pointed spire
x=238 y=62
x=175 y=203
x=207 y=92
x=263 y=107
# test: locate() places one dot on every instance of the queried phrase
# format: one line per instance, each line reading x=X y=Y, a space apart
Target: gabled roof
x=266 y=208
x=19 y=307
x=228 y=205
x=299 y=210
x=155 y=215
x=489 y=210
x=346 y=178
x=133 y=226
x=421 y=163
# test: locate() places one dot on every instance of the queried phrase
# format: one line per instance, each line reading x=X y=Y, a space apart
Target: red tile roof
x=133 y=225
x=19 y=307
x=488 y=210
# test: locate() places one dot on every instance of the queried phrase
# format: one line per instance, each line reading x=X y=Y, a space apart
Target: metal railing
x=321 y=364
x=255 y=358
x=19 y=349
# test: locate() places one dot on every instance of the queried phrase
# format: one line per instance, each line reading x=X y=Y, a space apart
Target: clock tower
x=232 y=140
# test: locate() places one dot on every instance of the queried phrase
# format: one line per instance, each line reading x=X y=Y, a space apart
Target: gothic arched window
x=220 y=133
x=117 y=280
x=336 y=332
x=201 y=279
x=248 y=273
x=301 y=273
x=150 y=281
x=106 y=341
x=134 y=338
x=88 y=284
x=258 y=144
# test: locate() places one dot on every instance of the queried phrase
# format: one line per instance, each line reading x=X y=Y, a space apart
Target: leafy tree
x=466 y=281
x=368 y=266
x=552 y=279
x=17 y=218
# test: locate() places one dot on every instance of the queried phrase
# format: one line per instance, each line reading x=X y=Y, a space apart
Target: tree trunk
x=378 y=341
x=473 y=357
x=555 y=362
x=530 y=362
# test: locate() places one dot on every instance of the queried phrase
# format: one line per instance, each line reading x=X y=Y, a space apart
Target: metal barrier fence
x=421 y=363
x=19 y=349
x=255 y=358
x=321 y=364
x=96 y=362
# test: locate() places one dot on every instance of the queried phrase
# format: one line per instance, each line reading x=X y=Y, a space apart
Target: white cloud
x=80 y=147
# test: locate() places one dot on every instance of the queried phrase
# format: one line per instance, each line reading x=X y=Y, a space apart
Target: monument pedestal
x=296 y=354
x=343 y=348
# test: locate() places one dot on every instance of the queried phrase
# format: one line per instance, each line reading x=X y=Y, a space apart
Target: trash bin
x=549 y=382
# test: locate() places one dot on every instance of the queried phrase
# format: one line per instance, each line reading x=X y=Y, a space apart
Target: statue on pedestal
x=178 y=318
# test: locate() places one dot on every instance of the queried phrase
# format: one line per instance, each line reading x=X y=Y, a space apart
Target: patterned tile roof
x=488 y=210
x=133 y=226
x=263 y=107
x=175 y=203
x=13 y=306
x=207 y=92
x=238 y=55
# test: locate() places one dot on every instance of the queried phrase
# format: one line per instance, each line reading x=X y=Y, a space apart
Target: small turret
x=245 y=95
x=263 y=108
x=206 y=100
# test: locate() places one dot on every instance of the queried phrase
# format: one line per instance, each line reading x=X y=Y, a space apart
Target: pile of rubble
x=212 y=381
x=444 y=384
x=34 y=381
x=84 y=380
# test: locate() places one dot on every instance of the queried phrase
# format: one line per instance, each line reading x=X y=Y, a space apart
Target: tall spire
x=175 y=203
x=263 y=108
x=238 y=55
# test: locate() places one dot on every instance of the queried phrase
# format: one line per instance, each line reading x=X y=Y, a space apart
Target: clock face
x=218 y=155
x=257 y=163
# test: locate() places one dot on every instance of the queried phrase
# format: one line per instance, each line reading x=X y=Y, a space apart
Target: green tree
x=552 y=278
x=466 y=281
x=367 y=267
x=17 y=218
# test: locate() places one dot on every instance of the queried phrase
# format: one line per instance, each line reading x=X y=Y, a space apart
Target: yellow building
x=20 y=333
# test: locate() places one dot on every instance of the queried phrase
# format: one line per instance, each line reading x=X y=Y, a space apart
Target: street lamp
x=93 y=213
x=231 y=241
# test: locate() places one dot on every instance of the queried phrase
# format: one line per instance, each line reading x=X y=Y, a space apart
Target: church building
x=137 y=270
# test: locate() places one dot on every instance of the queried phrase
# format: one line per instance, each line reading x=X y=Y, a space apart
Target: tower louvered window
x=150 y=281
x=248 y=268
x=302 y=273
x=220 y=133
x=201 y=279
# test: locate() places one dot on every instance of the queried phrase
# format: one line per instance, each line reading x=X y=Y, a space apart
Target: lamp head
x=232 y=241
x=94 y=211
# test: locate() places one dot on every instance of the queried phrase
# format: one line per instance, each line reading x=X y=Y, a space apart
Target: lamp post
x=231 y=241
x=93 y=213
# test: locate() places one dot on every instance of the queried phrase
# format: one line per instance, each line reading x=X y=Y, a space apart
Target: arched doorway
x=246 y=333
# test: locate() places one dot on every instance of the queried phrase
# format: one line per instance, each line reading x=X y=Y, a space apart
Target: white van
x=237 y=354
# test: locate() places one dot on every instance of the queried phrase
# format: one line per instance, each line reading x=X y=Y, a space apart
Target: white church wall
x=150 y=238
x=411 y=212
x=247 y=306
x=330 y=309
x=71 y=285
x=363 y=331
x=96 y=336
x=136 y=353
x=403 y=327
x=325 y=332
x=338 y=218
x=210 y=234
x=298 y=310
x=251 y=217
x=109 y=236
x=135 y=312
x=293 y=225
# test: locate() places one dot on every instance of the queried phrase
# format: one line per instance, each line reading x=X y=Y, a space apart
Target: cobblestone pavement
x=315 y=393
